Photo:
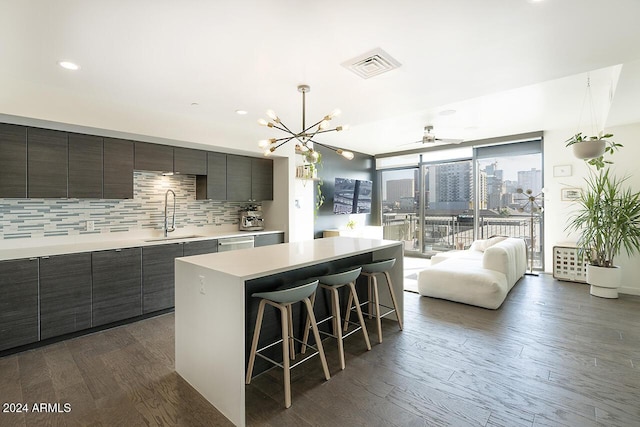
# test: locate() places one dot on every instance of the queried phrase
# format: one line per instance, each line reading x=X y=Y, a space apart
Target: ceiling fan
x=429 y=138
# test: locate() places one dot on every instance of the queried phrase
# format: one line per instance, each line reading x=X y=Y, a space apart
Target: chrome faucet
x=168 y=229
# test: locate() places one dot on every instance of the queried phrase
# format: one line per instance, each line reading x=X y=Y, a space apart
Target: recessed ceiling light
x=194 y=104
x=68 y=65
x=241 y=112
x=447 y=112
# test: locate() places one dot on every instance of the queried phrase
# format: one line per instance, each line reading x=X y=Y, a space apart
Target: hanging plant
x=319 y=199
x=592 y=149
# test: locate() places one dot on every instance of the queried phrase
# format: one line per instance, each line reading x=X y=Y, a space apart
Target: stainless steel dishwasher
x=233 y=243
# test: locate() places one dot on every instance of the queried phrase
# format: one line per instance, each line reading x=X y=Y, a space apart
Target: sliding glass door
x=510 y=195
x=448 y=215
x=400 y=206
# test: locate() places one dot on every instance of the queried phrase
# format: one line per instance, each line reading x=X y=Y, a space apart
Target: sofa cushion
x=508 y=257
x=484 y=244
x=460 y=281
x=472 y=256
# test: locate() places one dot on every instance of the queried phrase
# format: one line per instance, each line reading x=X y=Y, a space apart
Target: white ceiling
x=505 y=66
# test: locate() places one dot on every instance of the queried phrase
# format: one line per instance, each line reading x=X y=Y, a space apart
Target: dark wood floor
x=552 y=355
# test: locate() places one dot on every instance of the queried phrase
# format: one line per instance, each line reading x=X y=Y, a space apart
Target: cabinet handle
x=45 y=257
x=33 y=259
x=118 y=250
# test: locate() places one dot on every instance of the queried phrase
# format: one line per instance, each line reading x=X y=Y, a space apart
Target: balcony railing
x=447 y=232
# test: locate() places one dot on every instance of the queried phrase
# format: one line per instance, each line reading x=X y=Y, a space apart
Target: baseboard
x=629 y=291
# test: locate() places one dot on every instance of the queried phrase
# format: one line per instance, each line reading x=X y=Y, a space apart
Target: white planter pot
x=589 y=149
x=604 y=281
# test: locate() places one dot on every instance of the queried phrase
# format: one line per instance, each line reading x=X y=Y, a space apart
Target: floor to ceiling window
x=510 y=194
x=443 y=200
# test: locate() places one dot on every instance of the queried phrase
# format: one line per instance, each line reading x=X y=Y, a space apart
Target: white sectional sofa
x=481 y=275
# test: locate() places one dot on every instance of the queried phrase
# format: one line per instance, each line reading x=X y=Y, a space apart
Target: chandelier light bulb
x=335 y=113
x=346 y=154
x=273 y=116
x=323 y=125
x=315 y=155
x=262 y=122
x=263 y=143
x=343 y=127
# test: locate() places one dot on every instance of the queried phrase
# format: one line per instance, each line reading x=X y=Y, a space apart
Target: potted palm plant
x=608 y=218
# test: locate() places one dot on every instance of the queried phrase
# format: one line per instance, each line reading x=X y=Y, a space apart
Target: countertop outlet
x=91 y=226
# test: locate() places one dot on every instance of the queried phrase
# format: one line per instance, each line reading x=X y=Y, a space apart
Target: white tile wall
x=27 y=218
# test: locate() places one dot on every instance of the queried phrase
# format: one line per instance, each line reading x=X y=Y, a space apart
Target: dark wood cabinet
x=158 y=276
x=47 y=163
x=213 y=186
x=153 y=157
x=268 y=239
x=117 y=285
x=18 y=303
x=238 y=178
x=200 y=247
x=85 y=166
x=13 y=161
x=189 y=161
x=261 y=179
x=65 y=294
x=118 y=169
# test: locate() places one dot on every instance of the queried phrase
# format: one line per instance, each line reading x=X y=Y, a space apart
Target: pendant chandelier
x=305 y=136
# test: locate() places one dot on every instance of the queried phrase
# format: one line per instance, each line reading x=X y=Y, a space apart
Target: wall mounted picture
x=570 y=194
x=562 y=170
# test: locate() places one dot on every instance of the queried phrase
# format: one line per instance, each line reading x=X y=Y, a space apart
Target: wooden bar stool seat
x=332 y=283
x=371 y=271
x=282 y=299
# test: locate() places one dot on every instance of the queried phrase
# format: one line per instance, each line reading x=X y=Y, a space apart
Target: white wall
x=557 y=212
x=292 y=207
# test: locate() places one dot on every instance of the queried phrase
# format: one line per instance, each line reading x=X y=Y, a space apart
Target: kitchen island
x=214 y=311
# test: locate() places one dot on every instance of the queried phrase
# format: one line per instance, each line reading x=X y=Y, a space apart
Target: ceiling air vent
x=371 y=63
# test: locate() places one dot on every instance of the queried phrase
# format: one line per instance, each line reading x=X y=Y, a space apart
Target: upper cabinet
x=190 y=162
x=153 y=157
x=13 y=161
x=213 y=185
x=238 y=178
x=261 y=179
x=47 y=163
x=85 y=166
x=118 y=169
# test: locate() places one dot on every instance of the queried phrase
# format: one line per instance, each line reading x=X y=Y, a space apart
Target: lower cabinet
x=65 y=294
x=117 y=285
x=200 y=247
x=268 y=239
x=18 y=302
x=158 y=276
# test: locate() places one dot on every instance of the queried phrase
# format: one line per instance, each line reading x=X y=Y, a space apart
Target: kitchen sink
x=163 y=239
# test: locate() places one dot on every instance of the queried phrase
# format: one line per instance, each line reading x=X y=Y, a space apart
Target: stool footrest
x=386 y=313
x=307 y=356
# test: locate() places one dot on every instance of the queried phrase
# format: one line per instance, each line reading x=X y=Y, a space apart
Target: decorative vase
x=589 y=149
x=604 y=281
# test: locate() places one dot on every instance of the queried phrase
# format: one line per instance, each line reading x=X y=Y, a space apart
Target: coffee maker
x=251 y=219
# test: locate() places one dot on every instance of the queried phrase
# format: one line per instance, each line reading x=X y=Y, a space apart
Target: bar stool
x=370 y=271
x=282 y=299
x=332 y=283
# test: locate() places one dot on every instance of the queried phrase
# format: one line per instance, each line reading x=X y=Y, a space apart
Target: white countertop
x=251 y=263
x=28 y=248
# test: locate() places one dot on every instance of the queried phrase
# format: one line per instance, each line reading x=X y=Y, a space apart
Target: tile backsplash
x=27 y=218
